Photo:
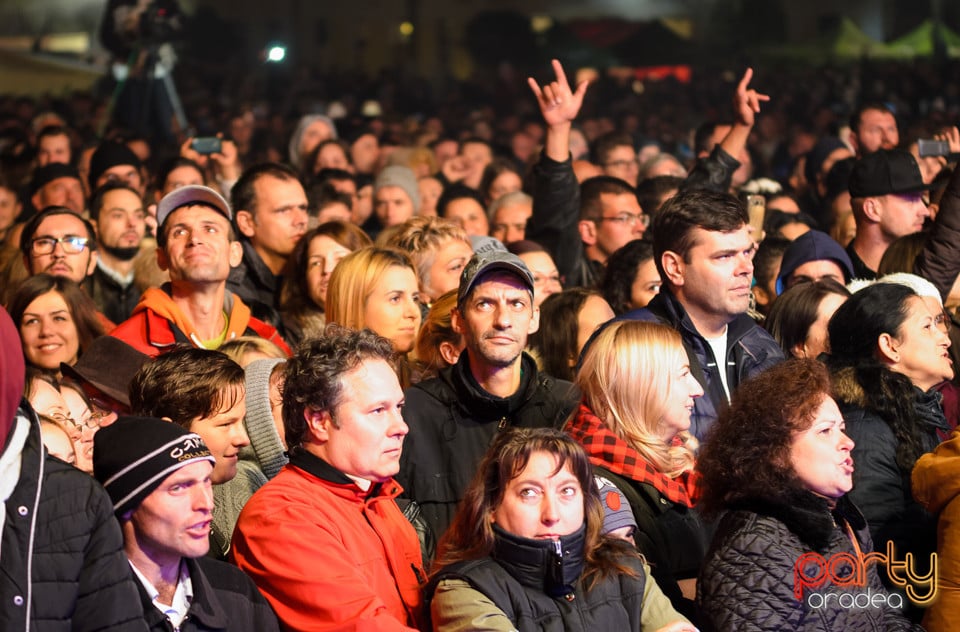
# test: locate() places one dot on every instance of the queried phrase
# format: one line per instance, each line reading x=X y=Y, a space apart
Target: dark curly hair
x=854 y=331
x=621 y=272
x=746 y=455
x=312 y=377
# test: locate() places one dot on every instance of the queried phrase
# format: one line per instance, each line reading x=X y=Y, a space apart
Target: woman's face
x=316 y=133
x=323 y=255
x=58 y=443
x=546 y=279
x=430 y=191
x=646 y=284
x=48 y=332
x=820 y=455
x=920 y=349
x=506 y=182
x=81 y=414
x=683 y=390
x=392 y=310
x=448 y=263
x=541 y=502
x=818 y=339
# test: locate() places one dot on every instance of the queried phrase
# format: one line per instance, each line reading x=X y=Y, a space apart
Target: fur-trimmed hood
x=846 y=387
x=806 y=515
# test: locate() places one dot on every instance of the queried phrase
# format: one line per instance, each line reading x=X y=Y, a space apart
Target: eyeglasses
x=942 y=321
x=622 y=164
x=71 y=244
x=628 y=219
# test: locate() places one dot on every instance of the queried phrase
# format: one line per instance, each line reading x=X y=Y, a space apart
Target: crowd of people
x=399 y=374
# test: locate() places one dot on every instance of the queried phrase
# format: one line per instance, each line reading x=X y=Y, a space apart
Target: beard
x=123 y=254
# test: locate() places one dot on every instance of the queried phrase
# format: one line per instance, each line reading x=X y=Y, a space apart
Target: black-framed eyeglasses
x=628 y=219
x=71 y=244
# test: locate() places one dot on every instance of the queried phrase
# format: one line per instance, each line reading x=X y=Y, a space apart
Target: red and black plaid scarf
x=610 y=451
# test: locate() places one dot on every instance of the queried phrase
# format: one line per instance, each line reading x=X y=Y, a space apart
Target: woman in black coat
x=777 y=467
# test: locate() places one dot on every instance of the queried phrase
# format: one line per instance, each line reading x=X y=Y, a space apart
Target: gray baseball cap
x=188 y=195
x=491 y=261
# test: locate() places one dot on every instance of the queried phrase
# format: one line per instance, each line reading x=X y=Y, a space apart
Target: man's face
x=224 y=434
x=816 y=270
x=877 y=130
x=127 y=174
x=495 y=319
x=902 y=214
x=122 y=220
x=713 y=283
x=620 y=222
x=173 y=522
x=53 y=149
x=364 y=438
x=74 y=266
x=64 y=191
x=198 y=247
x=510 y=222
x=393 y=206
x=280 y=219
x=622 y=163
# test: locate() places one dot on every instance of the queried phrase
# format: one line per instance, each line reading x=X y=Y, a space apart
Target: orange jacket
x=936 y=486
x=327 y=555
x=157 y=324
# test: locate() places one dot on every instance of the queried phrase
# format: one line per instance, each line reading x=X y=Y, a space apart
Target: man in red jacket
x=197 y=246
x=324 y=540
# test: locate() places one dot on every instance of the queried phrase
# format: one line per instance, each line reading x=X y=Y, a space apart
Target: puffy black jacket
x=61 y=558
x=880 y=487
x=747 y=580
x=750 y=350
x=452 y=421
x=223 y=599
x=540 y=591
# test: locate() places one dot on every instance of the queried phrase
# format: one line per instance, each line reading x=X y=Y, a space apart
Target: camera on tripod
x=161 y=22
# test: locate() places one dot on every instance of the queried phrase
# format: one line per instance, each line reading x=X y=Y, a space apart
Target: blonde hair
x=238 y=348
x=421 y=237
x=353 y=280
x=627 y=374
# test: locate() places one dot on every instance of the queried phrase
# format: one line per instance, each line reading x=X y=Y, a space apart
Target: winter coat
x=157 y=324
x=881 y=489
x=526 y=585
x=328 y=555
x=748 y=579
x=223 y=599
x=452 y=421
x=936 y=486
x=62 y=564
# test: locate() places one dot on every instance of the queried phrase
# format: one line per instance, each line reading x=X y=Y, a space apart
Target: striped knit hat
x=133 y=456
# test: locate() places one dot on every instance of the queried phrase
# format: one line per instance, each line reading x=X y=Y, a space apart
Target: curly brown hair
x=747 y=452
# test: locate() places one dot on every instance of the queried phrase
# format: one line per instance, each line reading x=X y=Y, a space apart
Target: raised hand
x=746 y=100
x=558 y=103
